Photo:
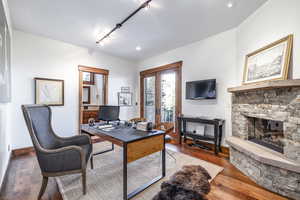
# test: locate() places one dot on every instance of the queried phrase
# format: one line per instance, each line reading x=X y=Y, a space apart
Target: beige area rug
x=105 y=181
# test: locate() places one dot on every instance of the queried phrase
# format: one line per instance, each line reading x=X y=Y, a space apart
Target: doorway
x=160 y=93
x=93 y=92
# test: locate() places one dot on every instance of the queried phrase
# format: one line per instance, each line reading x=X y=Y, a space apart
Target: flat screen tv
x=204 y=89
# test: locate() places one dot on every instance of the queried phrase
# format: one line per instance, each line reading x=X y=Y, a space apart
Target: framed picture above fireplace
x=269 y=63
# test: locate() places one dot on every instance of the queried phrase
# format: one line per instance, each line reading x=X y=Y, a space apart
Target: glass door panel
x=168 y=97
x=149 y=98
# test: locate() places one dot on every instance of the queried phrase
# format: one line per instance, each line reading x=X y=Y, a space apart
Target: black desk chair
x=56 y=155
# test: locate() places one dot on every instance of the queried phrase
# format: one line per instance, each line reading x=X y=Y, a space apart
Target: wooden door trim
x=177 y=67
x=94 y=70
x=157 y=98
x=162 y=68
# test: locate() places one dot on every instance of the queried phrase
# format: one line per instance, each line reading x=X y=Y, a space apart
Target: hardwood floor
x=24 y=179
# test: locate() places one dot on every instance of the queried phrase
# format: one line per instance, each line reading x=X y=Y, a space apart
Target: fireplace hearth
x=268 y=133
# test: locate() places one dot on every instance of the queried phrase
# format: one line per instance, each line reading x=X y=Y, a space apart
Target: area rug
x=104 y=182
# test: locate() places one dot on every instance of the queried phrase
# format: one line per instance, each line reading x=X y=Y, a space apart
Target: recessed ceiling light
x=230 y=4
x=138 y=48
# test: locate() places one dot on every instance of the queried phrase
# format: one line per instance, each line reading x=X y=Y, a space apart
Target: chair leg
x=92 y=162
x=43 y=187
x=84 y=182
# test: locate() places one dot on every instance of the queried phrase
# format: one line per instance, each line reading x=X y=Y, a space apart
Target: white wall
x=274 y=20
x=35 y=56
x=214 y=57
x=5 y=137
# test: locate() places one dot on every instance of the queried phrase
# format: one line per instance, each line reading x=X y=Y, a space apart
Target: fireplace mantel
x=266 y=85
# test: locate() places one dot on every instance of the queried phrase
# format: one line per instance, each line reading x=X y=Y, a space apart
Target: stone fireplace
x=266 y=134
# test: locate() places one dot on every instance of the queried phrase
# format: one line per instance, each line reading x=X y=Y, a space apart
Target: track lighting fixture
x=145 y=5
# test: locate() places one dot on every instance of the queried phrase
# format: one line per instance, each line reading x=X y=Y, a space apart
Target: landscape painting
x=269 y=63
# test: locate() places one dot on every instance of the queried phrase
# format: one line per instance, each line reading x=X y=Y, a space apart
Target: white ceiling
x=168 y=24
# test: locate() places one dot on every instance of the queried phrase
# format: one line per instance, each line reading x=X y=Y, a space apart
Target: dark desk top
x=121 y=132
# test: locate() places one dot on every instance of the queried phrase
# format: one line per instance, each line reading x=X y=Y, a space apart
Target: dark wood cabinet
x=87 y=114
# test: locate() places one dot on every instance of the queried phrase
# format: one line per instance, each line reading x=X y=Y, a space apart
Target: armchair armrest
x=62 y=159
x=77 y=140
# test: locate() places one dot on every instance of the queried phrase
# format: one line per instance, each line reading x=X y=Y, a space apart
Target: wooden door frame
x=177 y=66
x=95 y=70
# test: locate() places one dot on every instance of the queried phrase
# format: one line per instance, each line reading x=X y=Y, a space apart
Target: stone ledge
x=266 y=85
x=263 y=154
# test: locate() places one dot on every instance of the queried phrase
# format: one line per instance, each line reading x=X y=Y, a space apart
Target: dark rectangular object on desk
x=109 y=113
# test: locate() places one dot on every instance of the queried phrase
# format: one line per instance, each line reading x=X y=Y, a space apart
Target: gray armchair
x=56 y=155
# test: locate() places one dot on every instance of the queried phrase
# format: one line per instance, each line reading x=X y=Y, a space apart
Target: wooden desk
x=136 y=145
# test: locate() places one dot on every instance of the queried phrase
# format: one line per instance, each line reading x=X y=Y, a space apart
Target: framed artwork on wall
x=88 y=78
x=86 y=95
x=49 y=91
x=5 y=62
x=269 y=63
x=125 y=98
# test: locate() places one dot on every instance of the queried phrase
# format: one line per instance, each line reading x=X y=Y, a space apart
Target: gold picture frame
x=269 y=63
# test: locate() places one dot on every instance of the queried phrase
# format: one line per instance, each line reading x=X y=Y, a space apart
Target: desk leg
x=125 y=171
x=184 y=131
x=131 y=148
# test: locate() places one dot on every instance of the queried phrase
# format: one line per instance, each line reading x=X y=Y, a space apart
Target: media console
x=218 y=131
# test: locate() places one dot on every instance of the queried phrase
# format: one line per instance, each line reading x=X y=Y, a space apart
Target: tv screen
x=204 y=89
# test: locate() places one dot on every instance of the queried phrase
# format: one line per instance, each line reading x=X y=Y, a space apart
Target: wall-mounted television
x=204 y=89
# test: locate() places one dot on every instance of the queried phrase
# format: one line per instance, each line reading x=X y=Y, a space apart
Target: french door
x=161 y=93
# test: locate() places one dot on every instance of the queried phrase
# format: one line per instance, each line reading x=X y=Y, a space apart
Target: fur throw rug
x=190 y=183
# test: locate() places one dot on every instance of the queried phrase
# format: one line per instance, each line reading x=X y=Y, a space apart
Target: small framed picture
x=86 y=95
x=125 y=89
x=88 y=78
x=49 y=91
x=125 y=98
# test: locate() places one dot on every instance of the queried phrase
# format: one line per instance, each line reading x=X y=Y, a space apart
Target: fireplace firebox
x=268 y=133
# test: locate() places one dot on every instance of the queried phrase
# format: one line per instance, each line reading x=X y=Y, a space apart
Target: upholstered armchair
x=56 y=155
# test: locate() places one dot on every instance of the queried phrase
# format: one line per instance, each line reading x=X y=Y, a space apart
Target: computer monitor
x=109 y=113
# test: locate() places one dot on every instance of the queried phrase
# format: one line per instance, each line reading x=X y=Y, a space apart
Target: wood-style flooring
x=23 y=179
